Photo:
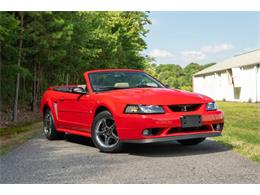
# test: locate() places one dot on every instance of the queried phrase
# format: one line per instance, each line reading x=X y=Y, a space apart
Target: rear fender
x=51 y=106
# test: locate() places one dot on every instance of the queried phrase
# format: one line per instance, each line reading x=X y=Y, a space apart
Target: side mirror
x=78 y=90
x=167 y=86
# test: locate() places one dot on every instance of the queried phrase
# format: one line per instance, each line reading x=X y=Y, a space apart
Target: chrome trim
x=171 y=138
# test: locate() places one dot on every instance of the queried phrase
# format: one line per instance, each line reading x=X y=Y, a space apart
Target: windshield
x=104 y=81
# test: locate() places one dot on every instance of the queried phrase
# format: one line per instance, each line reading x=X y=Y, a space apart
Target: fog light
x=146 y=132
x=218 y=127
x=152 y=131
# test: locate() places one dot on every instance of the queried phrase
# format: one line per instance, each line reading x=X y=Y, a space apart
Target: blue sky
x=202 y=37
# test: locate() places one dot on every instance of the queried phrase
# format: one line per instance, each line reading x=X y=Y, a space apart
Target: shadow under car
x=160 y=149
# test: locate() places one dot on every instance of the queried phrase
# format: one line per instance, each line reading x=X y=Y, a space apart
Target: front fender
x=113 y=107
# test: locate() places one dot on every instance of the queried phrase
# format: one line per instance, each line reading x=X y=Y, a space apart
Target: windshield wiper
x=110 y=88
x=101 y=89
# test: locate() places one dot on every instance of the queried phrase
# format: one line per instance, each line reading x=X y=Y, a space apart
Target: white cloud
x=217 y=48
x=193 y=55
x=158 y=53
x=199 y=55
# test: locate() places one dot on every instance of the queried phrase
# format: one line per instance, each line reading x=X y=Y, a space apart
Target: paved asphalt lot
x=75 y=160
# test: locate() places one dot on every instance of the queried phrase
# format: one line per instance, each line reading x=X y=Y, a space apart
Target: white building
x=234 y=79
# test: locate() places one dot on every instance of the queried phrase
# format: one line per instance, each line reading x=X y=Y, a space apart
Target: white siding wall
x=248 y=87
x=219 y=86
x=258 y=83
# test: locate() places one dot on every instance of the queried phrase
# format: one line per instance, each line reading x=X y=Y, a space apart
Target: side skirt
x=75 y=132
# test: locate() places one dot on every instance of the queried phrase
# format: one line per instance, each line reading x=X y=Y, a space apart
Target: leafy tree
x=170 y=74
x=57 y=47
x=174 y=75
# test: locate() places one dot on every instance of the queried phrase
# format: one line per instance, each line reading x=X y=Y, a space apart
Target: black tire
x=49 y=128
x=96 y=134
x=189 y=142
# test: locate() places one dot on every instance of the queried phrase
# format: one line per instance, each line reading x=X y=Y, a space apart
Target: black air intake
x=185 y=107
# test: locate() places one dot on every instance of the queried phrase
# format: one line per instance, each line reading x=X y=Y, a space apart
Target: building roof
x=244 y=59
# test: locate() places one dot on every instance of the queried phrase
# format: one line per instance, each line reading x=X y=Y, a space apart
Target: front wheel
x=191 y=141
x=104 y=134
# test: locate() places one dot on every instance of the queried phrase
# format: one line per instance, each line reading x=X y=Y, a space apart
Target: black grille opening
x=184 y=107
x=152 y=131
x=218 y=127
x=189 y=129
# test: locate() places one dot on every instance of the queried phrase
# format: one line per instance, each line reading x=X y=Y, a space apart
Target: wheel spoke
x=112 y=126
x=103 y=128
x=107 y=139
x=101 y=132
x=114 y=136
x=105 y=124
x=47 y=124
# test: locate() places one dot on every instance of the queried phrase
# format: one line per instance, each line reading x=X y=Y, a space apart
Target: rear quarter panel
x=48 y=98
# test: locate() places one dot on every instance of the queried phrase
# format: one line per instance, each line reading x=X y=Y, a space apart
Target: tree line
x=42 y=49
x=175 y=75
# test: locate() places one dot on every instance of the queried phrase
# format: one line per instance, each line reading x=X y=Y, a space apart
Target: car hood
x=156 y=96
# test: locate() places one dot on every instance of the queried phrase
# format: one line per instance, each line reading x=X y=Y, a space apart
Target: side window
x=68 y=89
x=64 y=89
x=84 y=87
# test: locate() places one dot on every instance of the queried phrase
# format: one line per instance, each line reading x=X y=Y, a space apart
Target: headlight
x=142 y=109
x=211 y=106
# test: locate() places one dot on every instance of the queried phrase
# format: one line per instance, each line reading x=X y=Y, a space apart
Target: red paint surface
x=75 y=113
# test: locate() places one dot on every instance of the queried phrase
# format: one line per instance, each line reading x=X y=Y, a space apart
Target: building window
x=237 y=91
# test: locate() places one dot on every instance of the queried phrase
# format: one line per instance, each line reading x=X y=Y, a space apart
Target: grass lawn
x=14 y=135
x=242 y=128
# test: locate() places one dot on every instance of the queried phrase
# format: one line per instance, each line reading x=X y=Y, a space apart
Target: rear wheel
x=49 y=129
x=191 y=141
x=104 y=134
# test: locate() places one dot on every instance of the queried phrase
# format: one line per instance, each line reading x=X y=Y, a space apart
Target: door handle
x=61 y=99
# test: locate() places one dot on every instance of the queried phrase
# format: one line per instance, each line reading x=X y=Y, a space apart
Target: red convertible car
x=121 y=105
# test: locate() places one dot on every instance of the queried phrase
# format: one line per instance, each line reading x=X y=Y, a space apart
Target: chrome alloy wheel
x=47 y=124
x=105 y=133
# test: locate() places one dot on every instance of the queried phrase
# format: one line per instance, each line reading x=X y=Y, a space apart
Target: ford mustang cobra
x=115 y=106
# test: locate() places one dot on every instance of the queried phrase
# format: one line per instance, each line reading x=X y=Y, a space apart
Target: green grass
x=12 y=136
x=15 y=129
x=242 y=128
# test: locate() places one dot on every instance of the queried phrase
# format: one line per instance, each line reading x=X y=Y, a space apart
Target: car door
x=74 y=111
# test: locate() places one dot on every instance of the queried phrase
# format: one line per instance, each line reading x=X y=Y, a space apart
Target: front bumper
x=172 y=138
x=130 y=127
